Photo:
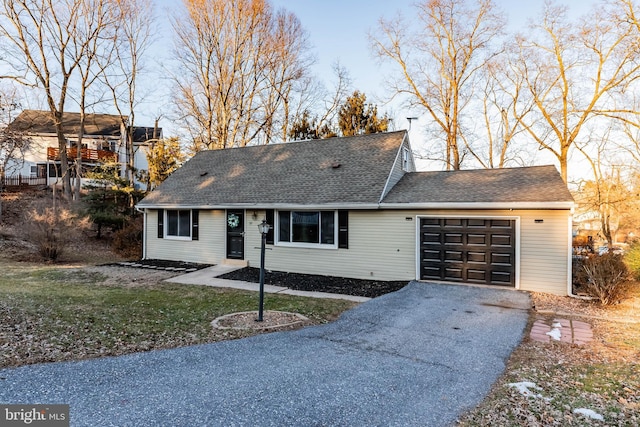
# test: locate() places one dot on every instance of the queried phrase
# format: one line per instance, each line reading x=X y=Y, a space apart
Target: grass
x=54 y=314
x=603 y=376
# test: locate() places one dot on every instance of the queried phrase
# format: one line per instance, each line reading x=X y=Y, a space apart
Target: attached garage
x=468 y=250
x=356 y=207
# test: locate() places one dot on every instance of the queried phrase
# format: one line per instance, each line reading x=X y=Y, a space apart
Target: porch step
x=235 y=262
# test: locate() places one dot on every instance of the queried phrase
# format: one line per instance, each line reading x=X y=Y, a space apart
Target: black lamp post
x=263 y=227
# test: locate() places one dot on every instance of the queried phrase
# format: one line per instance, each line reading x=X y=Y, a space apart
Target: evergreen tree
x=356 y=117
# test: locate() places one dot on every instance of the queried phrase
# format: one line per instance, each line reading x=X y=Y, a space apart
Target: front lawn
x=53 y=313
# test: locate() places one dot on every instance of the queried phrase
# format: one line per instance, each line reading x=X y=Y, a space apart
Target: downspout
x=144 y=232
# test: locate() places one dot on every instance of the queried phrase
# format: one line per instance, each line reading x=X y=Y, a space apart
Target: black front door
x=235 y=234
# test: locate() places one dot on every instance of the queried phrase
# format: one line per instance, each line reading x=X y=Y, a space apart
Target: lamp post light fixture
x=264 y=228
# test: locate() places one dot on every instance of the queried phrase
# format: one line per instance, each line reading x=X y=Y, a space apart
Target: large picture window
x=307 y=227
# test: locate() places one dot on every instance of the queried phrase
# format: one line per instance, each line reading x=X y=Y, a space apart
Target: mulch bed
x=316 y=283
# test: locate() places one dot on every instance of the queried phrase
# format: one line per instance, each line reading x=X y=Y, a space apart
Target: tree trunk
x=79 y=156
x=64 y=162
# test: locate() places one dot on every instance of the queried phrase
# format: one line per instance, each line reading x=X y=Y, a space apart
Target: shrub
x=51 y=230
x=579 y=276
x=127 y=242
x=607 y=278
x=632 y=259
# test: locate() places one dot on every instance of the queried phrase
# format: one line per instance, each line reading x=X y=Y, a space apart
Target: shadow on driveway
x=417 y=357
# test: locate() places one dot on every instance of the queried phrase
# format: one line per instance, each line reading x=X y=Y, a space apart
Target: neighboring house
x=104 y=140
x=355 y=207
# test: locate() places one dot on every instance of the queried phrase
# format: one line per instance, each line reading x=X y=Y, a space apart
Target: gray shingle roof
x=336 y=171
x=517 y=185
x=39 y=122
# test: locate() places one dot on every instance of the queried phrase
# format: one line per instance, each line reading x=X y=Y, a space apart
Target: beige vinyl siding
x=383 y=245
x=545 y=251
x=209 y=249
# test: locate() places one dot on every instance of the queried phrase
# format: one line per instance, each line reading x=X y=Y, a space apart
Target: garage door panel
x=501 y=240
x=501 y=223
x=476 y=222
x=476 y=276
x=453 y=222
x=501 y=259
x=477 y=257
x=430 y=222
x=501 y=277
x=473 y=250
x=431 y=255
x=453 y=273
x=453 y=255
x=452 y=238
x=430 y=238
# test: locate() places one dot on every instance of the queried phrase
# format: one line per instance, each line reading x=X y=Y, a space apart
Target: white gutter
x=376 y=206
x=480 y=205
x=283 y=206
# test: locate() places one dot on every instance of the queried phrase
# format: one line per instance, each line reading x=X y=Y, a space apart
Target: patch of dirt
x=628 y=311
x=130 y=277
x=270 y=320
x=317 y=283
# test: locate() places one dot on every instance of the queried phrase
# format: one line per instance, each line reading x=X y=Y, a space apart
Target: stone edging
x=216 y=322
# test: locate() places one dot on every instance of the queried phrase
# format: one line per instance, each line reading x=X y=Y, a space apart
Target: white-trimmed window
x=406 y=160
x=179 y=224
x=308 y=228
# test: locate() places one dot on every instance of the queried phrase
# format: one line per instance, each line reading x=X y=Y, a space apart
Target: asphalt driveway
x=417 y=357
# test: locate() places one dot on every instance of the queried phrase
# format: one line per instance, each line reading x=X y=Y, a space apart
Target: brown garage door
x=469 y=250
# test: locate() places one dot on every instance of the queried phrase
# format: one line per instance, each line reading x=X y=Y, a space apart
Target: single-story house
x=356 y=207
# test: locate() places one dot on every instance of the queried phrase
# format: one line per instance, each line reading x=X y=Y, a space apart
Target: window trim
x=405 y=159
x=166 y=225
x=278 y=242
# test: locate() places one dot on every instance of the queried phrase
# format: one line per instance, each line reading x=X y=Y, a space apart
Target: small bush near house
x=607 y=278
x=51 y=230
x=127 y=242
x=632 y=259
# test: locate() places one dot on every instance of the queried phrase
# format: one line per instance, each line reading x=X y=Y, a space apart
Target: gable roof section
x=39 y=122
x=517 y=187
x=335 y=172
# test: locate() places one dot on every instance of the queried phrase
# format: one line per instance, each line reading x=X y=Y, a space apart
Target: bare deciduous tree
x=439 y=63
x=573 y=73
x=47 y=42
x=96 y=33
x=238 y=62
x=133 y=37
x=504 y=106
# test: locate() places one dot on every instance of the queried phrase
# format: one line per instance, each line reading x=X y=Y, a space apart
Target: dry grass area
x=602 y=376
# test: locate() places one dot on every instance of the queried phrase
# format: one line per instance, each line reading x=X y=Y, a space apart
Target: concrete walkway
x=417 y=357
x=209 y=277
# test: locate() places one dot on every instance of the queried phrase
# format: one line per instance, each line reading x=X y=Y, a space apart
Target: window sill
x=306 y=245
x=178 y=238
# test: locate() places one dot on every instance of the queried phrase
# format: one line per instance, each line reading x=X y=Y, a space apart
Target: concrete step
x=235 y=262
